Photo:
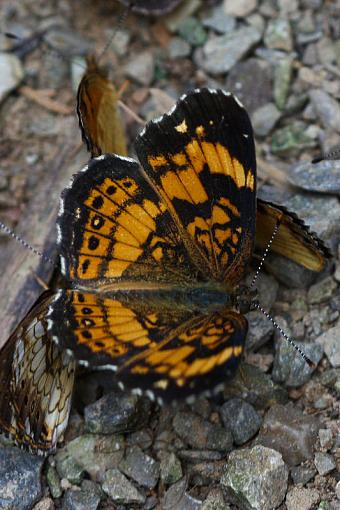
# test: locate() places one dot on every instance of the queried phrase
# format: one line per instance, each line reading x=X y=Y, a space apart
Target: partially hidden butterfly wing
x=152 y=344
x=293 y=240
x=98 y=112
x=36 y=384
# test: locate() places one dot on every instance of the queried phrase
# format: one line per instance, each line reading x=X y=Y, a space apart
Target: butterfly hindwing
x=36 y=384
x=150 y=343
x=293 y=239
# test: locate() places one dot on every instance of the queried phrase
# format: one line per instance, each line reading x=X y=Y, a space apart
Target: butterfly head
x=245 y=299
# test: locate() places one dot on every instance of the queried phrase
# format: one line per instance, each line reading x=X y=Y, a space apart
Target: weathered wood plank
x=19 y=267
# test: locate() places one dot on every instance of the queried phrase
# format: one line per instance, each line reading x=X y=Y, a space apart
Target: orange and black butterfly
x=98 y=112
x=153 y=258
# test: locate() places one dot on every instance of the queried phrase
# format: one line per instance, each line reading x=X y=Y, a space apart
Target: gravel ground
x=272 y=439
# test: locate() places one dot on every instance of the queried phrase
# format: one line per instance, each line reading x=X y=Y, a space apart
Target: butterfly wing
x=293 y=240
x=192 y=217
x=36 y=384
x=201 y=159
x=97 y=107
x=151 y=343
x=114 y=228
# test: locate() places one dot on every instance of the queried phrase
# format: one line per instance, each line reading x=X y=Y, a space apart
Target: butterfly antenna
x=275 y=231
x=24 y=243
x=120 y=23
x=329 y=156
x=309 y=362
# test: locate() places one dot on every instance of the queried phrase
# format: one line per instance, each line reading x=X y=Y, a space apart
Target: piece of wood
x=20 y=269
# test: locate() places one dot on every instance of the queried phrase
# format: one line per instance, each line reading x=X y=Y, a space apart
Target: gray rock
x=11 y=73
x=289 y=366
x=69 y=468
x=251 y=82
x=337 y=490
x=195 y=456
x=221 y=53
x=204 y=474
x=140 y=467
x=299 y=498
x=239 y=8
x=241 y=418
x=326 y=51
x=44 y=504
x=191 y=30
x=256 y=478
x=302 y=475
x=20 y=483
x=219 y=21
x=260 y=330
x=93 y=453
x=215 y=501
x=323 y=177
x=322 y=291
x=290 y=432
x=256 y=387
x=326 y=438
x=288 y=7
x=141 y=68
x=330 y=343
x=116 y=412
x=201 y=434
x=290 y=140
x=119 y=489
x=120 y=41
x=171 y=469
x=187 y=8
x=67 y=42
x=278 y=35
x=265 y=118
x=324 y=463
x=176 y=497
x=80 y=500
x=327 y=109
x=53 y=481
x=178 y=48
x=267 y=288
x=283 y=71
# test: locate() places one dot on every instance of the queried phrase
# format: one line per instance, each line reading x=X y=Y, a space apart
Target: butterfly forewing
x=115 y=228
x=201 y=159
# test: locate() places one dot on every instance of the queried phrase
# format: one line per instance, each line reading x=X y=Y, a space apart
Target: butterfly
x=153 y=258
x=98 y=114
